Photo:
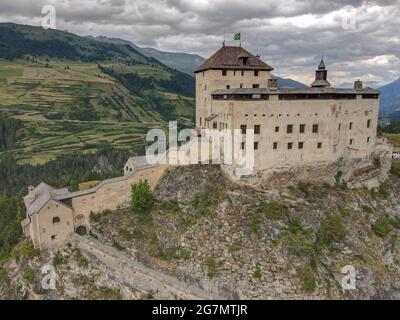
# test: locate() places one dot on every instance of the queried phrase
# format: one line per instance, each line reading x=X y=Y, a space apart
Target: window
x=242 y=73
x=224 y=73
x=242 y=146
x=256 y=73
x=256 y=86
x=255 y=145
x=319 y=145
x=315 y=128
x=257 y=129
x=56 y=220
x=241 y=85
x=369 y=123
x=302 y=128
x=214 y=125
x=351 y=125
x=53 y=237
x=351 y=141
x=275 y=146
x=290 y=128
x=290 y=145
x=301 y=145
x=276 y=129
x=228 y=87
x=340 y=126
x=243 y=128
x=368 y=139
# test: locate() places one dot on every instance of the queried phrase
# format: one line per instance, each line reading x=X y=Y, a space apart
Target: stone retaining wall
x=130 y=273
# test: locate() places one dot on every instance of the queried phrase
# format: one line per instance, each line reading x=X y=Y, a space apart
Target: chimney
x=31 y=194
x=358 y=85
x=272 y=83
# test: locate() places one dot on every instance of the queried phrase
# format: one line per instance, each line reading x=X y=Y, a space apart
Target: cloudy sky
x=359 y=39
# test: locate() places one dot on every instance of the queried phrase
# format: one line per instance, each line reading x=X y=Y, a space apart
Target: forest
x=65 y=171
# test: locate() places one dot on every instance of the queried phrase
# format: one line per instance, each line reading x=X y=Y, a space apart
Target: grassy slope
x=37 y=86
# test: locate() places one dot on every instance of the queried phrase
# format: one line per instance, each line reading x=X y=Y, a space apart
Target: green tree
x=142 y=199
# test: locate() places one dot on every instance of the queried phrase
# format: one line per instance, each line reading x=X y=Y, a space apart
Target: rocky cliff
x=240 y=241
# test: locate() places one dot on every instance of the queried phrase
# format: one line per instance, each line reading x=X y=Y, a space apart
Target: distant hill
x=66 y=76
x=184 y=62
x=390 y=97
x=289 y=83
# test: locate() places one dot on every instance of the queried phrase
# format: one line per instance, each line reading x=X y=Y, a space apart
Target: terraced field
x=42 y=139
x=42 y=97
x=64 y=89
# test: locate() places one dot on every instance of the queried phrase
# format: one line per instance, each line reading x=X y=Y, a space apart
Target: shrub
x=142 y=199
x=395 y=222
x=257 y=274
x=382 y=227
x=305 y=188
x=395 y=169
x=307 y=278
x=294 y=225
x=94 y=217
x=106 y=293
x=383 y=190
x=170 y=206
x=79 y=258
x=28 y=275
x=331 y=230
x=377 y=162
x=254 y=225
x=344 y=212
x=212 y=266
x=299 y=243
x=24 y=249
x=184 y=254
x=273 y=210
x=367 y=209
x=58 y=259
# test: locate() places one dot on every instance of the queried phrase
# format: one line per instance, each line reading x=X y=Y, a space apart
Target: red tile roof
x=228 y=58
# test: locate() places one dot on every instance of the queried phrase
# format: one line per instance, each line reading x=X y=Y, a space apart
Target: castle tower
x=229 y=68
x=321 y=76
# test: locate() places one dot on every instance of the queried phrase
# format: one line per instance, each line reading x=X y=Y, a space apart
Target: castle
x=294 y=128
x=315 y=133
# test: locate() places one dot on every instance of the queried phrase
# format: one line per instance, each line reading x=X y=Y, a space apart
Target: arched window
x=56 y=220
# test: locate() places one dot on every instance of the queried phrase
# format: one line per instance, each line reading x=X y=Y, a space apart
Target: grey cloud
x=282 y=32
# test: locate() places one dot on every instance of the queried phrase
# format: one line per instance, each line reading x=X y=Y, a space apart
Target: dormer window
x=243 y=60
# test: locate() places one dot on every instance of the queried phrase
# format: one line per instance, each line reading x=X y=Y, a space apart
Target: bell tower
x=321 y=76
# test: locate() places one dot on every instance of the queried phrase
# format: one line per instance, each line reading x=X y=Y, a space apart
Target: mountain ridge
x=390 y=98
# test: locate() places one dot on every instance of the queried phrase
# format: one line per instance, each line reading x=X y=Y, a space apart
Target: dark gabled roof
x=228 y=58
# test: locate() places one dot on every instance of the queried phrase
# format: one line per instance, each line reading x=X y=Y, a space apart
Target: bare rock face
x=268 y=243
x=240 y=241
